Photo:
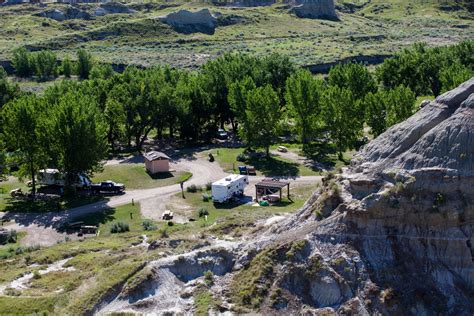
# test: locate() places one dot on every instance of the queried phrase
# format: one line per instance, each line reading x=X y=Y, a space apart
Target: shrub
x=149 y=225
x=170 y=223
x=209 y=186
x=36 y=275
x=241 y=157
x=203 y=212
x=205 y=197
x=209 y=278
x=119 y=227
x=8 y=237
x=193 y=188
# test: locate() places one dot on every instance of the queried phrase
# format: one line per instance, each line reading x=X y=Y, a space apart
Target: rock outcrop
x=315 y=9
x=402 y=235
x=67 y=14
x=188 y=22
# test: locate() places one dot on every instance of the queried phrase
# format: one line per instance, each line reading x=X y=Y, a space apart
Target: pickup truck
x=107 y=187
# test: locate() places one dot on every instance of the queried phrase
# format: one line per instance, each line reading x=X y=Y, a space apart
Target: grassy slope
x=140 y=38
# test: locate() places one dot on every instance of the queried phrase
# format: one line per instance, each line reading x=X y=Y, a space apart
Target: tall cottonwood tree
x=303 y=98
x=24 y=127
x=79 y=141
x=342 y=118
x=262 y=120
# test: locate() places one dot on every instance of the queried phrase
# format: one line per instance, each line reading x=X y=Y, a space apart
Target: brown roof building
x=156 y=162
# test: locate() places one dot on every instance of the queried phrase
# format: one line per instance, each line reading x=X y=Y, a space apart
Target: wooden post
x=288 y=185
x=256 y=193
x=280 y=193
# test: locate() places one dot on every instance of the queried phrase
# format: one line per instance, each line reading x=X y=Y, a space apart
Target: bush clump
x=119 y=227
x=208 y=186
x=242 y=157
x=8 y=237
x=205 y=197
x=193 y=188
x=209 y=278
x=203 y=212
x=149 y=225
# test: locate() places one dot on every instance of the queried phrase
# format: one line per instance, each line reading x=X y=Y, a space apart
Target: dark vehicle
x=107 y=187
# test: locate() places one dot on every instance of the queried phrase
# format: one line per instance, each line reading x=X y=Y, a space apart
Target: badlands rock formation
x=315 y=9
x=187 y=22
x=392 y=234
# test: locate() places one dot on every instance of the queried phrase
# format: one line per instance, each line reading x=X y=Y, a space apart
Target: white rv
x=55 y=177
x=231 y=186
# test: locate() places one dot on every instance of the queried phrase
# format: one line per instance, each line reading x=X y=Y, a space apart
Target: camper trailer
x=228 y=188
x=55 y=177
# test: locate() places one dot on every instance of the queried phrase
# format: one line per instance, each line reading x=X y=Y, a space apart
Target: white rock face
x=315 y=9
x=187 y=22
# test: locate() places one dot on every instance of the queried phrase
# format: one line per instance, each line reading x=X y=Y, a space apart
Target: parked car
x=222 y=134
x=282 y=149
x=107 y=187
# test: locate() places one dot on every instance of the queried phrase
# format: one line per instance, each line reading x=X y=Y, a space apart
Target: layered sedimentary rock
x=187 y=22
x=403 y=229
x=315 y=9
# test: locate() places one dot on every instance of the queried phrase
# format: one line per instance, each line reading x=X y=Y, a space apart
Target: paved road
x=43 y=227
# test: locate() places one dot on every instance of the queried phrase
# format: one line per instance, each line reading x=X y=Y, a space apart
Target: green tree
x=342 y=118
x=66 y=67
x=104 y=71
x=45 y=64
x=24 y=129
x=80 y=141
x=84 y=64
x=3 y=160
x=114 y=118
x=8 y=91
x=401 y=105
x=353 y=76
x=22 y=62
x=277 y=69
x=303 y=98
x=262 y=120
x=388 y=107
x=453 y=75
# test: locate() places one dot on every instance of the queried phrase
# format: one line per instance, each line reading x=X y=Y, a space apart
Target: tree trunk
x=33 y=180
x=267 y=151
x=171 y=131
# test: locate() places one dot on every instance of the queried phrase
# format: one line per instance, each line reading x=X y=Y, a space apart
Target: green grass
x=203 y=302
x=134 y=176
x=129 y=214
x=280 y=166
x=26 y=305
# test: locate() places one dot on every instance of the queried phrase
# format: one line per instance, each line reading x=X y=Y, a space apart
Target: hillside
x=135 y=34
x=392 y=235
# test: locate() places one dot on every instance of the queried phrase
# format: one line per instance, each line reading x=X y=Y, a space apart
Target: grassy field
x=277 y=165
x=129 y=214
x=372 y=28
x=134 y=176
